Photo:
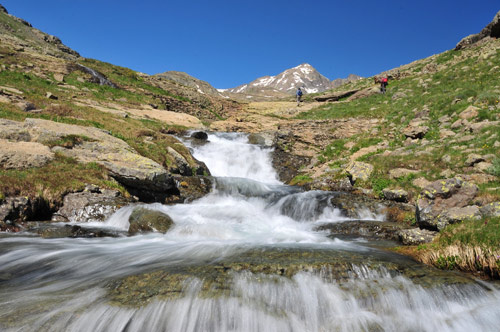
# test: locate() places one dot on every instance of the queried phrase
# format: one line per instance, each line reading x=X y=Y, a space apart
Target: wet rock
x=24 y=209
x=90 y=205
x=285 y=163
x=144 y=220
x=74 y=231
x=491 y=210
x=439 y=198
x=191 y=188
x=397 y=195
x=181 y=165
x=370 y=229
x=359 y=170
x=201 y=135
x=415 y=236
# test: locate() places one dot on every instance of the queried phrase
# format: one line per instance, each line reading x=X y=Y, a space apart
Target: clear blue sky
x=228 y=43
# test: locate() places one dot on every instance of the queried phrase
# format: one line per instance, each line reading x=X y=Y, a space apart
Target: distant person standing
x=299 y=96
x=383 y=84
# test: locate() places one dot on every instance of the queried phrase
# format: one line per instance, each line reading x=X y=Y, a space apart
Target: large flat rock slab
x=21 y=155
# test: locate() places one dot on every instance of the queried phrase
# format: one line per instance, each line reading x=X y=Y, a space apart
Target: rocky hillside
x=282 y=85
x=76 y=126
x=190 y=81
x=341 y=81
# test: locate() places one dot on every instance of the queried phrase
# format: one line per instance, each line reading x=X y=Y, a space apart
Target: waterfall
x=245 y=257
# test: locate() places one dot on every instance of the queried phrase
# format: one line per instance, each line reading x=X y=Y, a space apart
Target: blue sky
x=228 y=43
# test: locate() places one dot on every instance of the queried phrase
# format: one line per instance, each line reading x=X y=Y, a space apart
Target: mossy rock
x=143 y=220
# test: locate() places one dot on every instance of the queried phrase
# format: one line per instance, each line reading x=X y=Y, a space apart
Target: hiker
x=383 y=84
x=299 y=96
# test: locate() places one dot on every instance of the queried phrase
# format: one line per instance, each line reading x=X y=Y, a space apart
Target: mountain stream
x=246 y=257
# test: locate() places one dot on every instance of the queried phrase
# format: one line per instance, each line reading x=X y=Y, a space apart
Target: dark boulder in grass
x=143 y=220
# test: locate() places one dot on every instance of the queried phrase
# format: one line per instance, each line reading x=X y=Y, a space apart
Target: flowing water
x=246 y=257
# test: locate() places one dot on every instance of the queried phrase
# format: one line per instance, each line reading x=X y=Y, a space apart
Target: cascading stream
x=246 y=257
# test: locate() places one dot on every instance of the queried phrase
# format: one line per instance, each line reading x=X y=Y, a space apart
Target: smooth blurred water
x=63 y=284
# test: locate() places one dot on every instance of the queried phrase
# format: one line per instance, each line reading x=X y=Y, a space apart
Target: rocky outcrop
x=144 y=220
x=491 y=30
x=335 y=96
x=142 y=176
x=285 y=163
x=444 y=202
x=397 y=195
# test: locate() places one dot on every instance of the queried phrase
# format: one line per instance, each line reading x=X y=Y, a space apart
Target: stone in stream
x=144 y=220
x=365 y=228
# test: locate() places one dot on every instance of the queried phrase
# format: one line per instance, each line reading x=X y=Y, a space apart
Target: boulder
x=201 y=135
x=478 y=126
x=358 y=170
x=470 y=112
x=59 y=77
x=49 y=95
x=25 y=106
x=22 y=155
x=90 y=205
x=415 y=131
x=397 y=195
x=191 y=188
x=421 y=182
x=143 y=220
x=473 y=159
x=490 y=210
x=415 y=236
x=440 y=203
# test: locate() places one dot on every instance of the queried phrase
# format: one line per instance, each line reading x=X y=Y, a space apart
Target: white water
x=60 y=284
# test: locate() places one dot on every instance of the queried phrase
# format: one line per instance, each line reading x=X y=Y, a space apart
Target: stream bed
x=247 y=257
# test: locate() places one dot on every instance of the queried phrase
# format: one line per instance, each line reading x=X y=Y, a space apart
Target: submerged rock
x=74 y=231
x=144 y=220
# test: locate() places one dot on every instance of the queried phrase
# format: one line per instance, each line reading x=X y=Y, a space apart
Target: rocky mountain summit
x=286 y=83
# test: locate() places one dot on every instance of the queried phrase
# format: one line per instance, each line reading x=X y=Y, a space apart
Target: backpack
x=384 y=79
x=299 y=92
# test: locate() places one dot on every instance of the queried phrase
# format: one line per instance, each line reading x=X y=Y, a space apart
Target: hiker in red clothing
x=383 y=84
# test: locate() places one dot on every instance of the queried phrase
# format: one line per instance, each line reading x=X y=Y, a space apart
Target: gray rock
x=456 y=215
x=491 y=30
x=415 y=131
x=25 y=106
x=358 y=170
x=491 y=210
x=21 y=155
x=473 y=159
x=397 y=195
x=49 y=95
x=24 y=209
x=201 y=135
x=90 y=206
x=416 y=236
x=144 y=220
x=370 y=229
x=439 y=198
